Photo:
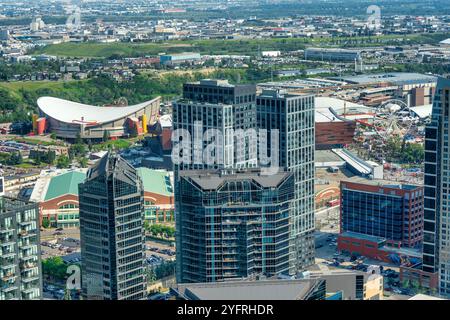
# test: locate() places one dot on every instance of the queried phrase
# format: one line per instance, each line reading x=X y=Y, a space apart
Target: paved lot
x=67 y=241
x=51 y=235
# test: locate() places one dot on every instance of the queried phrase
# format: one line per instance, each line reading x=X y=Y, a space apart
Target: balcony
x=6 y=265
x=6 y=230
x=8 y=277
x=30 y=279
x=25 y=223
x=28 y=265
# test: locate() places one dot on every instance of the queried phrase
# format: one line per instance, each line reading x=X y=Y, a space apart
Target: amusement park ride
x=391 y=119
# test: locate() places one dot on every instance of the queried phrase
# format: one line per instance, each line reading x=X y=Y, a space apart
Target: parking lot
x=57 y=243
x=158 y=252
x=328 y=256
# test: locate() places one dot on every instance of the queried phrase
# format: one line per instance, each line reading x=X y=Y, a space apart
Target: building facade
x=217 y=105
x=233 y=225
x=92 y=122
x=20 y=256
x=436 y=244
x=57 y=196
x=112 y=233
x=393 y=212
x=293 y=116
x=332 y=54
x=334 y=134
x=159 y=201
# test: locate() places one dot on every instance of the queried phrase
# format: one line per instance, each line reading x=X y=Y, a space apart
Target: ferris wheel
x=393 y=119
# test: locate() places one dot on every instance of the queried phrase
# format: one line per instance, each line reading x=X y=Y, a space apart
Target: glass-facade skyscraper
x=20 y=255
x=112 y=233
x=233 y=225
x=293 y=116
x=206 y=106
x=436 y=242
x=217 y=105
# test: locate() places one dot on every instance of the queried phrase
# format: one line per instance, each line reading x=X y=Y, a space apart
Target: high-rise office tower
x=112 y=233
x=436 y=243
x=293 y=116
x=233 y=225
x=20 y=256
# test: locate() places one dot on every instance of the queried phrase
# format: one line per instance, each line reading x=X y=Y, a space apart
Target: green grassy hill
x=246 y=47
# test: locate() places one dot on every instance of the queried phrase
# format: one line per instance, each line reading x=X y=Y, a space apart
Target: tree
x=106 y=135
x=63 y=162
x=78 y=139
x=45 y=223
x=77 y=150
x=54 y=267
x=15 y=159
x=51 y=157
x=83 y=162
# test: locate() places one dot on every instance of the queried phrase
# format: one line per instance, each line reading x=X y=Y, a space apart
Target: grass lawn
x=239 y=46
x=117 y=144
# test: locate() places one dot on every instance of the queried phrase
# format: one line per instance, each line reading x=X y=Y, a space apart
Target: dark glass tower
x=436 y=242
x=112 y=233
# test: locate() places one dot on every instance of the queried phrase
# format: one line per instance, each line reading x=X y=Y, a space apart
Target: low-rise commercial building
x=180 y=58
x=392 y=212
x=57 y=195
x=324 y=54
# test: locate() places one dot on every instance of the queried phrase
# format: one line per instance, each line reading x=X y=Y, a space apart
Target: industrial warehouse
x=69 y=120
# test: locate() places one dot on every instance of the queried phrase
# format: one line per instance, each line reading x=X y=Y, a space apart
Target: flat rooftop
x=249 y=290
x=384 y=184
x=362 y=236
x=397 y=78
x=211 y=180
x=326 y=156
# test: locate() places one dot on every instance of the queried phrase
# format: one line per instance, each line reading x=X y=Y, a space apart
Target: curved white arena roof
x=73 y=112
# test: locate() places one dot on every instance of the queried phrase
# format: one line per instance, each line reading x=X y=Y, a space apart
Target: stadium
x=69 y=120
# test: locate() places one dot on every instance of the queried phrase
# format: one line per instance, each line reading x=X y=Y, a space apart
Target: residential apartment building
x=233 y=225
x=210 y=106
x=217 y=105
x=293 y=117
x=112 y=233
x=20 y=256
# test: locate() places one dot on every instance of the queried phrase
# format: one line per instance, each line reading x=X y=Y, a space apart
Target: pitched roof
x=66 y=183
x=156 y=181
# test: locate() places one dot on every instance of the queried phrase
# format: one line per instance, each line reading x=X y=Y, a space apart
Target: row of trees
x=159 y=230
x=411 y=153
x=161 y=271
x=54 y=268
